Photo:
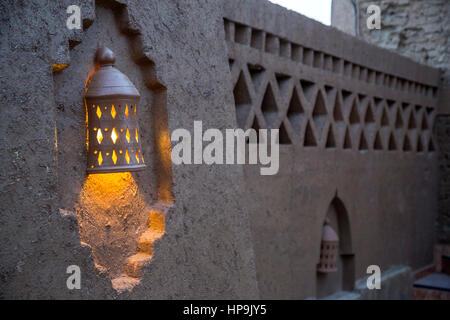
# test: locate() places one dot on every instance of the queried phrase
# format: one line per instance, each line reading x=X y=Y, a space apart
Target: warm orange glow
x=114 y=157
x=114 y=135
x=127 y=156
x=126 y=110
x=99 y=112
x=128 y=135
x=100 y=158
x=113 y=112
x=137 y=156
x=99 y=136
x=137 y=136
x=135 y=107
x=103 y=192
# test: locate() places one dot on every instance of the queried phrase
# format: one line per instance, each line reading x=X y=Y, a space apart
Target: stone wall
x=419 y=29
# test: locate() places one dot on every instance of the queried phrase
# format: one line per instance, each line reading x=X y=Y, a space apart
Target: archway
x=344 y=278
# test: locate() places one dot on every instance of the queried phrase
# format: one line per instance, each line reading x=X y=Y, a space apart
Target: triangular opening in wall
x=377 y=101
x=283 y=135
x=369 y=118
x=431 y=147
x=354 y=114
x=405 y=105
x=424 y=122
x=363 y=142
x=329 y=90
x=406 y=144
x=269 y=106
x=362 y=97
x=398 y=120
x=392 y=144
x=347 y=140
x=257 y=74
x=295 y=111
x=319 y=113
x=330 y=143
x=283 y=82
x=377 y=143
x=384 y=118
x=242 y=100
x=412 y=121
x=337 y=113
x=419 y=144
x=319 y=107
x=310 y=139
x=345 y=95
x=390 y=103
x=307 y=88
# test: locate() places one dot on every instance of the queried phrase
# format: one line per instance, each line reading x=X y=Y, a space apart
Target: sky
x=319 y=10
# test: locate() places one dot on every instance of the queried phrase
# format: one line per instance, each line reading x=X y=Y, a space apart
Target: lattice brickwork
x=315 y=113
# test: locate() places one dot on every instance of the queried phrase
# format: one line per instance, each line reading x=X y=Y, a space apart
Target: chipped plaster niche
x=121 y=216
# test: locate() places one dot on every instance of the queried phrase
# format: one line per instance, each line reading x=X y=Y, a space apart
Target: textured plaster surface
x=229 y=232
x=206 y=251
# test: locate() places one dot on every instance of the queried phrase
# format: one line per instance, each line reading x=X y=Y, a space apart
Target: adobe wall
x=355 y=126
x=172 y=51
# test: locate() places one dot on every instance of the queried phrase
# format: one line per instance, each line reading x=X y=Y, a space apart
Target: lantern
x=328 y=249
x=113 y=133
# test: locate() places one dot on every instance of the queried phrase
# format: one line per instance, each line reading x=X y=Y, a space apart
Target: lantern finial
x=105 y=56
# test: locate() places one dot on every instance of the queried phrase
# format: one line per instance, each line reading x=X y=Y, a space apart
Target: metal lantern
x=328 y=249
x=113 y=133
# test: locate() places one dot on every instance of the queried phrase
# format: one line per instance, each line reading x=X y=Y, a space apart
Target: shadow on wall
x=344 y=278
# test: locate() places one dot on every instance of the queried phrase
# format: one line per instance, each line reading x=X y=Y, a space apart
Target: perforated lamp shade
x=112 y=101
x=329 y=249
